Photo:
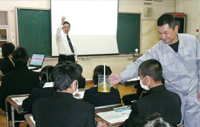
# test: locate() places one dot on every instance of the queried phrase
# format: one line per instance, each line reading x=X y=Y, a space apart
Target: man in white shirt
x=66 y=46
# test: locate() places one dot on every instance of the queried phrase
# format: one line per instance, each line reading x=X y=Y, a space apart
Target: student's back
x=62 y=109
x=98 y=98
x=20 y=81
x=7 y=64
x=45 y=90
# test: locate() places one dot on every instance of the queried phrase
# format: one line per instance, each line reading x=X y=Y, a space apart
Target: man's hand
x=63 y=20
x=198 y=95
x=115 y=78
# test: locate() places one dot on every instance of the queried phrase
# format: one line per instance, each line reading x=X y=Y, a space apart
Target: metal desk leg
x=13 y=116
x=7 y=120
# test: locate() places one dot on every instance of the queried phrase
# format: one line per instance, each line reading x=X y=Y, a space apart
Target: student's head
x=99 y=70
x=46 y=75
x=150 y=71
x=7 y=49
x=156 y=120
x=20 y=57
x=66 y=27
x=80 y=68
x=65 y=75
x=167 y=28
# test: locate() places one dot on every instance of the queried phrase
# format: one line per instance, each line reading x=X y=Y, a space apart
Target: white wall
x=192 y=9
x=117 y=63
x=136 y=6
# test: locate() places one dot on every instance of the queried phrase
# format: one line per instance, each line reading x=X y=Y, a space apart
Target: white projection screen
x=93 y=25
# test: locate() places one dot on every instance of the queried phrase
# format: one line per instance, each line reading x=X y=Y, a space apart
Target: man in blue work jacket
x=179 y=55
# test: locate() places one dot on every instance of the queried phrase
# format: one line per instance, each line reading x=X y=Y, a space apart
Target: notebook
x=36 y=61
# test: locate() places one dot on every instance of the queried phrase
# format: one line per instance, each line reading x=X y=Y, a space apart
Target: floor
x=122 y=89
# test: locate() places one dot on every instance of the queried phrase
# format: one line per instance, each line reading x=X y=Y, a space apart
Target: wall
x=149 y=36
x=191 y=8
x=117 y=63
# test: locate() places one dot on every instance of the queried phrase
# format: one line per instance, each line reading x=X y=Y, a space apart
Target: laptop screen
x=37 y=60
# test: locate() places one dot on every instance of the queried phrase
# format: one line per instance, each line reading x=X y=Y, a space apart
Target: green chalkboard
x=128 y=33
x=34 y=30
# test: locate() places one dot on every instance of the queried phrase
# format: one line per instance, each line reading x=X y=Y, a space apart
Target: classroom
x=117 y=62
x=149 y=35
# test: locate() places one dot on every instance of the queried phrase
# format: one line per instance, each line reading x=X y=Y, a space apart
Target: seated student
x=97 y=98
x=46 y=88
x=62 y=109
x=159 y=99
x=156 y=120
x=81 y=79
x=129 y=99
x=7 y=64
x=19 y=81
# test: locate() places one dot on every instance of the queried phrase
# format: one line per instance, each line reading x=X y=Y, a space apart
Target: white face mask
x=145 y=87
x=75 y=91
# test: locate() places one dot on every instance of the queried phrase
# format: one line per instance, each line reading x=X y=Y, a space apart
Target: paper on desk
x=115 y=116
x=79 y=94
x=133 y=79
x=19 y=100
x=31 y=117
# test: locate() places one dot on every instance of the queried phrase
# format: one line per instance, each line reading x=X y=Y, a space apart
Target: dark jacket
x=36 y=94
x=20 y=81
x=99 y=99
x=7 y=66
x=158 y=100
x=81 y=82
x=62 y=110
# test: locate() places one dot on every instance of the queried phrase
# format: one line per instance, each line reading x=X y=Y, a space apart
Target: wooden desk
x=14 y=106
x=105 y=109
x=29 y=120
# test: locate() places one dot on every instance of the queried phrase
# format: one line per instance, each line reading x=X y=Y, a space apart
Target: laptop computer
x=36 y=62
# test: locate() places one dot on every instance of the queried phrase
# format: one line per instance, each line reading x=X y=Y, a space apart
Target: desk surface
x=106 y=110
x=31 y=122
x=17 y=107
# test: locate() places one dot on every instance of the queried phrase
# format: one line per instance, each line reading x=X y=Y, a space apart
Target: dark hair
x=20 y=57
x=7 y=49
x=152 y=68
x=99 y=71
x=156 y=120
x=166 y=19
x=64 y=74
x=66 y=22
x=46 y=75
x=80 y=68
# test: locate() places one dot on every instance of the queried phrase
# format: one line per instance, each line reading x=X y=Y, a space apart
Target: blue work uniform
x=180 y=71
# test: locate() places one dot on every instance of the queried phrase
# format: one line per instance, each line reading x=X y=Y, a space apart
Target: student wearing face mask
x=62 y=109
x=158 y=100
